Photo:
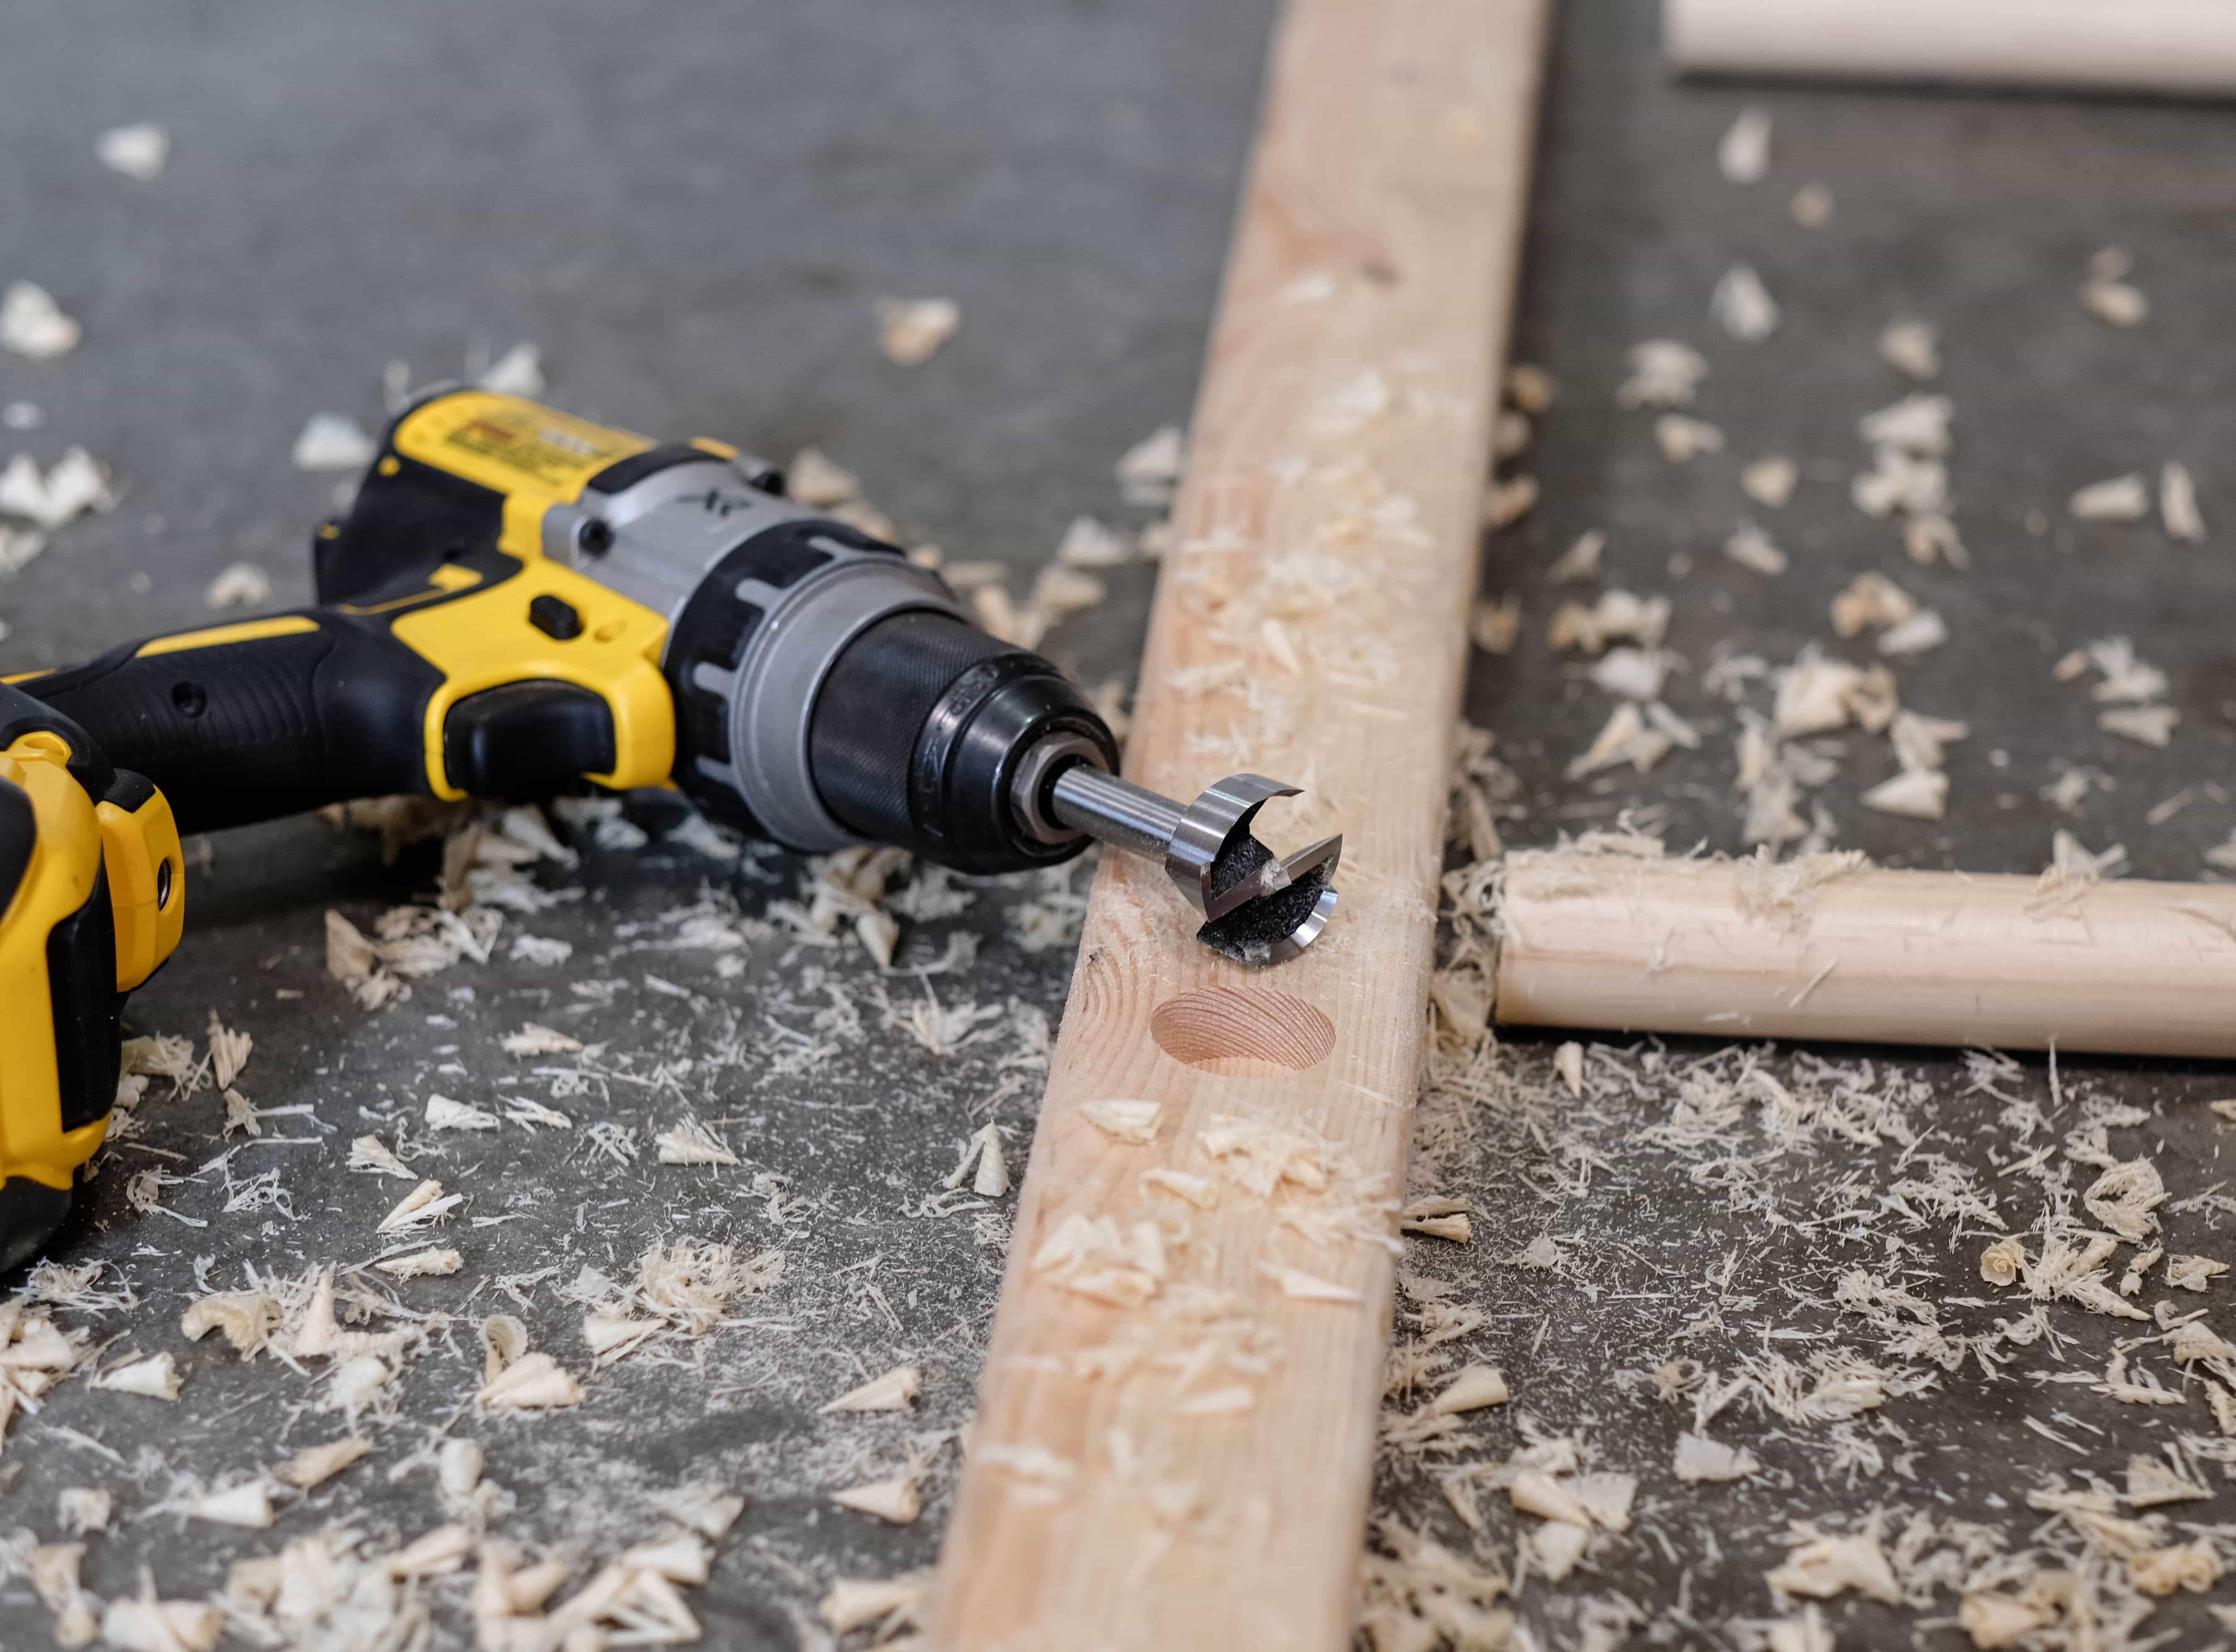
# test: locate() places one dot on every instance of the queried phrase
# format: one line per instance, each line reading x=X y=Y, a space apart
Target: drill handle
x=255 y=720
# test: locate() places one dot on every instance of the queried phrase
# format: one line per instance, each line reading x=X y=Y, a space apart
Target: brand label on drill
x=545 y=447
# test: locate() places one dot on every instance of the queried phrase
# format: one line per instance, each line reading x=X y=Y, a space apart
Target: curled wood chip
x=247 y=1504
x=1581 y=561
x=1494 y=625
x=1751 y=547
x=139 y=151
x=136 y=1625
x=1919 y=794
x=816 y=480
x=2192 y=1273
x=83 y=1508
x=857 y=1602
x=1529 y=388
x=1821 y=1568
x=1509 y=501
x=894 y=1500
x=2120 y=498
x=1811 y=206
x=315 y=1465
x=1702 y=1459
x=247 y=1318
x=1308 y=1288
x=534 y=1382
x=1917 y=425
x=155 y=1378
x=33 y=325
x=332 y=442
x=445 y=1114
x=2003 y=1262
x=1124 y=1121
x=911 y=330
x=895 y=1391
x=692 y=1142
x=2178 y=509
x=1663 y=374
x=1472 y=1389
x=1911 y=347
x=1769 y=481
x=1534 y=1491
x=1742 y=153
x=534 y=1040
x=1200 y=1191
x=1682 y=439
x=422 y=1264
x=2195 y=1566
x=2145 y=725
x=1569 y=1063
x=2151 y=1483
x=1995 y=1619
x=1742 y=305
x=425 y=1203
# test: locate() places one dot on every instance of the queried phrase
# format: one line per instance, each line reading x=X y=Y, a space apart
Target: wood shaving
x=1742 y=306
x=1123 y=1120
x=2106 y=293
x=911 y=330
x=895 y=1391
x=445 y=1114
x=1751 y=547
x=1617 y=617
x=369 y=1153
x=2146 y=725
x=1821 y=1567
x=1919 y=794
x=692 y=1142
x=1507 y=502
x=1911 y=347
x=140 y=151
x=894 y=1500
x=815 y=480
x=1769 y=481
x=1494 y=626
x=1663 y=374
x=83 y=1508
x=1700 y=1459
x=424 y=1204
x=2178 y=509
x=422 y=1264
x=315 y=1465
x=1309 y=1287
x=1811 y=206
x=893 y=1604
x=154 y=1378
x=1682 y=439
x=2120 y=498
x=73 y=485
x=1742 y=153
x=534 y=1040
x=1580 y=561
x=247 y=1318
x=161 y=1626
x=2192 y=1273
x=33 y=325
x=536 y=1382
x=1918 y=424
x=248 y=1505
x=332 y=442
x=1921 y=632
x=1529 y=388
x=1149 y=472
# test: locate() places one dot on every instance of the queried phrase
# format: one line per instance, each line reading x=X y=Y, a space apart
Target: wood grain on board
x=1172 y=1446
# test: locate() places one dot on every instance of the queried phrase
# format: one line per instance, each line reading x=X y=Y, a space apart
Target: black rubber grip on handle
x=257 y=728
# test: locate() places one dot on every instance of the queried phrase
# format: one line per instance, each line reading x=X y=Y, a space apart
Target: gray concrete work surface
x=690 y=211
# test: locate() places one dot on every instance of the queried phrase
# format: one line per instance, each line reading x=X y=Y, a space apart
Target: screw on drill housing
x=1259 y=908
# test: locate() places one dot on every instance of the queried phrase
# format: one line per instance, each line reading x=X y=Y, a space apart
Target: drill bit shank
x=1259 y=908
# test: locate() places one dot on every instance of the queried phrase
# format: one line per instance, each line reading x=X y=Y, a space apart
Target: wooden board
x=2186 y=47
x=1191 y=1470
x=1820 y=949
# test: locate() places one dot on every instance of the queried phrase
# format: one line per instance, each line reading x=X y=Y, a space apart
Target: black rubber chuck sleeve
x=918 y=731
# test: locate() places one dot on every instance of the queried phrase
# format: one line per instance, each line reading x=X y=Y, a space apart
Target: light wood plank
x=1338 y=456
x=1823 y=948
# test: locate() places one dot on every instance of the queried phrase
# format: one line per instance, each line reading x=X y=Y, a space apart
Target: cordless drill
x=519 y=602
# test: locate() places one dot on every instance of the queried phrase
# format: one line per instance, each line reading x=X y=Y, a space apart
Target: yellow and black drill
x=519 y=602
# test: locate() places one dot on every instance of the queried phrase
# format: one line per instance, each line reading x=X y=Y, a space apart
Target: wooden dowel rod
x=2175 y=46
x=1745 y=949
x=1175 y=1430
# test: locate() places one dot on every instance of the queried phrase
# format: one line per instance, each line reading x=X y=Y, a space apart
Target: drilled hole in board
x=1235 y=1029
